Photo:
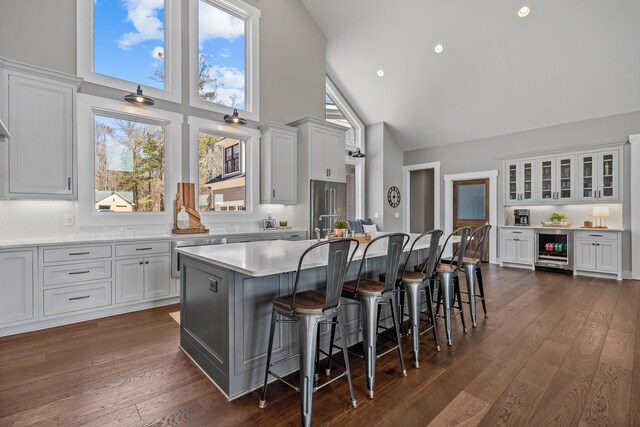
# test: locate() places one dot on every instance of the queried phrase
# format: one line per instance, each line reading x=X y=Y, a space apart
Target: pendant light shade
x=234 y=119
x=357 y=154
x=138 y=98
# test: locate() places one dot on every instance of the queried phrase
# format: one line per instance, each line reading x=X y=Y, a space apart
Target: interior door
x=471 y=206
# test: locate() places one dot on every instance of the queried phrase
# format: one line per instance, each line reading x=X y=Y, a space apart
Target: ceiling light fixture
x=524 y=11
x=138 y=98
x=380 y=73
x=234 y=119
x=439 y=48
x=357 y=154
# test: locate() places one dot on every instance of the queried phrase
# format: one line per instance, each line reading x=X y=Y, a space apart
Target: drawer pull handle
x=143 y=249
x=596 y=235
x=77 y=298
x=80 y=272
x=79 y=253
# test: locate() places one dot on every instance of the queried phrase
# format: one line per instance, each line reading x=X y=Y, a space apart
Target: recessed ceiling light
x=380 y=73
x=524 y=11
x=439 y=48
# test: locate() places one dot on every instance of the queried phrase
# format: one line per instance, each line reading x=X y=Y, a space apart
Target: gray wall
x=485 y=154
x=421 y=209
x=393 y=162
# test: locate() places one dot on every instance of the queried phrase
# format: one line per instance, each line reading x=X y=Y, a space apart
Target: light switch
x=375 y=214
x=69 y=220
x=397 y=214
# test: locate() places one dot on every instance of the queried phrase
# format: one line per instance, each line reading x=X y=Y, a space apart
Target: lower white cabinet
x=517 y=246
x=16 y=286
x=598 y=251
x=143 y=278
x=76 y=298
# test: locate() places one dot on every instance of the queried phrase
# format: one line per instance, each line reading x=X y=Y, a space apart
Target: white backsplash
x=24 y=219
x=576 y=214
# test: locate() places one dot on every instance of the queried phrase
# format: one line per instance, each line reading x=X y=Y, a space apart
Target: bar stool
x=447 y=273
x=371 y=295
x=310 y=309
x=473 y=270
x=414 y=282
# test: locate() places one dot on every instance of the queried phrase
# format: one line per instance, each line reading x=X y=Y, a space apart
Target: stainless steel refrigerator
x=328 y=204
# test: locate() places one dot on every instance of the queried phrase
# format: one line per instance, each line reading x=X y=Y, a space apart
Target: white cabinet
x=324 y=148
x=41 y=120
x=598 y=251
x=520 y=182
x=517 y=246
x=142 y=278
x=599 y=176
x=16 y=286
x=556 y=179
x=279 y=164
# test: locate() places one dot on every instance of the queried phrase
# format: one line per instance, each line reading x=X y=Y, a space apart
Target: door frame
x=492 y=175
x=406 y=181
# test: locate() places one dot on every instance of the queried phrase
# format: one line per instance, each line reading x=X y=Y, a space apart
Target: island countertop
x=266 y=258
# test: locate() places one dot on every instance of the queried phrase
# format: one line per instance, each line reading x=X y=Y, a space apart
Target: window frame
x=239 y=171
x=251 y=15
x=88 y=107
x=172 y=50
x=251 y=138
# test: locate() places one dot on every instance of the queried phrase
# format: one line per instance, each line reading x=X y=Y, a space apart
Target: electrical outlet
x=375 y=214
x=130 y=229
x=69 y=220
x=397 y=214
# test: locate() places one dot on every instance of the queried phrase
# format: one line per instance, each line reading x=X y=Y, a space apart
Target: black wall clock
x=393 y=197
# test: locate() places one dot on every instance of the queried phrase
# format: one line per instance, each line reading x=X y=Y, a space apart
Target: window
x=334 y=115
x=125 y=43
x=225 y=167
x=129 y=165
x=224 y=56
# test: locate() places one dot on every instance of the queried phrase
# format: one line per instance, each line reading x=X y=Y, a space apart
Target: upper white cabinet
x=16 y=286
x=279 y=164
x=40 y=113
x=324 y=145
x=587 y=177
x=599 y=176
x=520 y=182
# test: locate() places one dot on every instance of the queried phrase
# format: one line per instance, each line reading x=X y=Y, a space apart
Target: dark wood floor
x=556 y=350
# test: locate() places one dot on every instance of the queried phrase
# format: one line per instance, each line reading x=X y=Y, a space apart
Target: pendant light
x=357 y=154
x=138 y=98
x=234 y=119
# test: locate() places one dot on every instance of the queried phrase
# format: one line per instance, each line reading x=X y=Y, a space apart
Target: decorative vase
x=183 y=219
x=339 y=232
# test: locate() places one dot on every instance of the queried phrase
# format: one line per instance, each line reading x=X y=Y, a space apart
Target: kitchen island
x=225 y=308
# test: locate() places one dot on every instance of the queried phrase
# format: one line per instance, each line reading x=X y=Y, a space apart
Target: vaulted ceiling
x=569 y=60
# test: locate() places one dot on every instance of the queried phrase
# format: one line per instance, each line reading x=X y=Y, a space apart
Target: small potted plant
x=557 y=218
x=339 y=227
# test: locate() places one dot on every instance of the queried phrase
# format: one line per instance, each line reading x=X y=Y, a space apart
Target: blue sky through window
x=129 y=40
x=221 y=45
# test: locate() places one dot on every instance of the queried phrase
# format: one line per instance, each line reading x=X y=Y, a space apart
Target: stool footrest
x=278 y=377
x=394 y=348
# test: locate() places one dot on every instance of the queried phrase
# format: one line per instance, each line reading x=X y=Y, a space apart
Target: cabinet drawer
x=510 y=232
x=75 y=253
x=244 y=239
x=73 y=273
x=296 y=236
x=76 y=298
x=142 y=249
x=597 y=235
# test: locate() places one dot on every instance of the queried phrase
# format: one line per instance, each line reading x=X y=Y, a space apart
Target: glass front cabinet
x=556 y=179
x=520 y=182
x=599 y=176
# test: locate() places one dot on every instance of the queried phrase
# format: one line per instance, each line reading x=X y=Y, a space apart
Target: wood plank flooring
x=555 y=350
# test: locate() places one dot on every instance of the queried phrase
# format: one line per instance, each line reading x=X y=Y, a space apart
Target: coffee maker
x=521 y=217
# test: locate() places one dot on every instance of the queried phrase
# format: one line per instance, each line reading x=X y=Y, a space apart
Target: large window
x=224 y=56
x=129 y=165
x=123 y=43
x=334 y=115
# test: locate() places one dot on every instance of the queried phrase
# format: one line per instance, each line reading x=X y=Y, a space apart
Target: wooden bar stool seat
x=309 y=302
x=446 y=268
x=408 y=277
x=366 y=287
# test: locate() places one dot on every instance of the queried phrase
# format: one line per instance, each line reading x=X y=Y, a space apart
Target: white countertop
x=575 y=228
x=280 y=256
x=105 y=238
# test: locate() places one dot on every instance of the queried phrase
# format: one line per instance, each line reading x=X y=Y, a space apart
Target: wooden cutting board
x=187 y=197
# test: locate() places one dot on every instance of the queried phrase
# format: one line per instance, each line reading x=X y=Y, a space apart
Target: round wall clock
x=393 y=197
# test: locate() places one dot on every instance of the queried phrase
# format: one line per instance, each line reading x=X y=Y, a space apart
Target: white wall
x=393 y=162
x=292 y=82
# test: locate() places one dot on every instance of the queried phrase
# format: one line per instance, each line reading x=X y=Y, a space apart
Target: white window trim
x=251 y=15
x=251 y=137
x=348 y=112
x=359 y=184
x=88 y=107
x=172 y=45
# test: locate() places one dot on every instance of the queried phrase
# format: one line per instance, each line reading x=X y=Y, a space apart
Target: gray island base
x=225 y=308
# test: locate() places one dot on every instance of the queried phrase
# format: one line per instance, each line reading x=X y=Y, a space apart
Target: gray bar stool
x=447 y=273
x=371 y=294
x=310 y=309
x=473 y=270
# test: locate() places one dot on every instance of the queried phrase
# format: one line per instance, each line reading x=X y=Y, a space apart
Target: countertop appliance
x=328 y=203
x=521 y=217
x=554 y=250
x=175 y=256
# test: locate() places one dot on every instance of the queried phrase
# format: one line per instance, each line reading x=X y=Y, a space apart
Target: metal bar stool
x=371 y=294
x=447 y=273
x=310 y=309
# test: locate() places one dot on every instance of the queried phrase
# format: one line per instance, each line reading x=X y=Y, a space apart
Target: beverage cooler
x=554 y=250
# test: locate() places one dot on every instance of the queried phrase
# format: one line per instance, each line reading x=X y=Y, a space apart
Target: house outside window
x=232 y=159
